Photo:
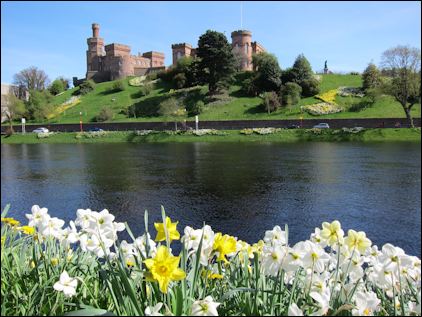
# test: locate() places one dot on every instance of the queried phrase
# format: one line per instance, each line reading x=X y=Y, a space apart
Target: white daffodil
x=70 y=235
x=391 y=256
x=141 y=244
x=66 y=284
x=205 y=307
x=52 y=227
x=294 y=258
x=366 y=304
x=37 y=216
x=275 y=236
x=191 y=238
x=323 y=300
x=294 y=310
x=154 y=310
x=84 y=218
x=272 y=259
x=316 y=238
x=315 y=257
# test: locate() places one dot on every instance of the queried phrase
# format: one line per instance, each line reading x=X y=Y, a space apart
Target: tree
x=65 y=82
x=371 y=77
x=271 y=101
x=15 y=108
x=32 y=78
x=216 y=59
x=171 y=108
x=39 y=104
x=86 y=87
x=56 y=87
x=267 y=72
x=301 y=69
x=404 y=85
x=291 y=94
x=301 y=73
x=105 y=114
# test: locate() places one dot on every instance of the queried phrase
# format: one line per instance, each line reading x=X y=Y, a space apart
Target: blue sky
x=52 y=35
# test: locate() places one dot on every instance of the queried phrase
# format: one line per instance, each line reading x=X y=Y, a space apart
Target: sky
x=52 y=35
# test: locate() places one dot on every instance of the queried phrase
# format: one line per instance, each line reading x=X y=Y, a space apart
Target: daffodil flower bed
x=90 y=134
x=321 y=108
x=329 y=96
x=137 y=81
x=71 y=102
x=50 y=270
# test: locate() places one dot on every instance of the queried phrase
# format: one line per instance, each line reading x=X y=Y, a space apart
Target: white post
x=23 y=125
x=196 y=122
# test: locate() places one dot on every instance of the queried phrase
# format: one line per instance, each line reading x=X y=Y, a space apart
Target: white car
x=322 y=126
x=40 y=130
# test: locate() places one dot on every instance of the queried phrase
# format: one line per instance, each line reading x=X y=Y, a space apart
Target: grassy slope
x=240 y=107
x=369 y=135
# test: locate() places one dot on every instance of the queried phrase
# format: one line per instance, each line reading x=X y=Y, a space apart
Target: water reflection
x=241 y=189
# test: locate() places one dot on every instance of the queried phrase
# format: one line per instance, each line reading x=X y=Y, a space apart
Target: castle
x=241 y=43
x=114 y=61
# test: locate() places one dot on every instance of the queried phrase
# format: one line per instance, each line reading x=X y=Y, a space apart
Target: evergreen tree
x=217 y=63
x=371 y=77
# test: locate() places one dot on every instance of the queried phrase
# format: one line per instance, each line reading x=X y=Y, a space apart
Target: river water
x=241 y=189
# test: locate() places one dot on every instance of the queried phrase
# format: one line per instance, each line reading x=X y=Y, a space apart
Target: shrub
x=197 y=108
x=291 y=93
x=86 y=87
x=271 y=102
x=310 y=87
x=354 y=73
x=105 y=114
x=56 y=87
x=371 y=77
x=179 y=80
x=118 y=85
x=249 y=87
x=146 y=89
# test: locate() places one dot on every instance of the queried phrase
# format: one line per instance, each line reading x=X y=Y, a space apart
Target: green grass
x=284 y=135
x=237 y=108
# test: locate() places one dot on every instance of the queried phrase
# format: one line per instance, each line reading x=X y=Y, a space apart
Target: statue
x=325 y=68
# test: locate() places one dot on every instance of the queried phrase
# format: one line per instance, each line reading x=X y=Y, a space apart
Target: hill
x=232 y=106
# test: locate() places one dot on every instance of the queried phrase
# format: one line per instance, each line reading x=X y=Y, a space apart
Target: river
x=241 y=189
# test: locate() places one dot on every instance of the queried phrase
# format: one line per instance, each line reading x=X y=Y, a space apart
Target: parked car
x=95 y=129
x=293 y=126
x=40 y=130
x=322 y=126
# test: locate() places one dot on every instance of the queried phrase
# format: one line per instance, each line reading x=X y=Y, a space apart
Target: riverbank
x=279 y=135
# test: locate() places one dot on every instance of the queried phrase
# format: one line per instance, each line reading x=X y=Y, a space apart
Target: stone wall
x=224 y=125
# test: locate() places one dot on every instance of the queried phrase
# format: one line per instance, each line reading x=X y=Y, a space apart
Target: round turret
x=95 y=30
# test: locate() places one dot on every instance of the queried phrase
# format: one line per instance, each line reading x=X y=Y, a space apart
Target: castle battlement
x=113 y=61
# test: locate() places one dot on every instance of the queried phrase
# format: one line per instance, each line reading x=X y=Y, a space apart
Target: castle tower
x=180 y=50
x=242 y=44
x=95 y=51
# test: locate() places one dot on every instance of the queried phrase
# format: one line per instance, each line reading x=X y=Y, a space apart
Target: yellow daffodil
x=171 y=229
x=332 y=232
x=10 y=221
x=54 y=261
x=224 y=244
x=357 y=240
x=27 y=230
x=165 y=268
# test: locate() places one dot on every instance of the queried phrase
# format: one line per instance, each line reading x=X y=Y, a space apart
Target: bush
x=179 y=80
x=271 y=102
x=86 y=87
x=310 y=87
x=371 y=77
x=291 y=93
x=118 y=85
x=56 y=87
x=105 y=114
x=197 y=108
x=249 y=87
x=39 y=104
x=146 y=89
x=354 y=73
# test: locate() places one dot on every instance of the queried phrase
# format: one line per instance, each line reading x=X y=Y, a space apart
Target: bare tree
x=14 y=109
x=32 y=78
x=404 y=65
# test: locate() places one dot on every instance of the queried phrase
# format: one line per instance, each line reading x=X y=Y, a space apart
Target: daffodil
x=164 y=268
x=27 y=230
x=357 y=240
x=10 y=221
x=205 y=307
x=332 y=232
x=171 y=230
x=66 y=284
x=224 y=245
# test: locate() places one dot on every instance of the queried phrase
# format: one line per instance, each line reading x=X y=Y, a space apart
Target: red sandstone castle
x=241 y=42
x=114 y=60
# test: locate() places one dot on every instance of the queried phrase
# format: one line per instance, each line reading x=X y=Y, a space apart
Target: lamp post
x=80 y=120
